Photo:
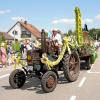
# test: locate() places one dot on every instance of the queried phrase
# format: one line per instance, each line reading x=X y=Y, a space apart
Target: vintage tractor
x=45 y=64
x=46 y=61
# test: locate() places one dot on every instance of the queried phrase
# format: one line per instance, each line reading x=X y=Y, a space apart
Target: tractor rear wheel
x=49 y=81
x=71 y=66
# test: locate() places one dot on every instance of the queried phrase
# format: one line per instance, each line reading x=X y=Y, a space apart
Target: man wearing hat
x=56 y=37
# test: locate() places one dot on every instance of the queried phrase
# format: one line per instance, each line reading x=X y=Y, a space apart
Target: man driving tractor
x=57 y=39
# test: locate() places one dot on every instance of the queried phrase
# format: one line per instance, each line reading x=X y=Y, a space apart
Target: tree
x=70 y=32
x=2 y=38
x=94 y=33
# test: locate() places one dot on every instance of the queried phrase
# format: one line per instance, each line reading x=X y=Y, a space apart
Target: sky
x=49 y=14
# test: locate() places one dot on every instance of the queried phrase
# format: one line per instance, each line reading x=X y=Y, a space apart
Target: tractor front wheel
x=17 y=78
x=49 y=81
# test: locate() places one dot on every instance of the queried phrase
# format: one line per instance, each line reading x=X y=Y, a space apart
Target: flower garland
x=50 y=64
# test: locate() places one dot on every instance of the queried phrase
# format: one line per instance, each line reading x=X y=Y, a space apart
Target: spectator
x=16 y=48
x=22 y=48
x=9 y=53
x=28 y=46
x=3 y=54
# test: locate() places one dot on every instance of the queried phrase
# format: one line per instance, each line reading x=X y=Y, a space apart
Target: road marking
x=73 y=98
x=90 y=72
x=5 y=70
x=92 y=66
x=3 y=76
x=82 y=82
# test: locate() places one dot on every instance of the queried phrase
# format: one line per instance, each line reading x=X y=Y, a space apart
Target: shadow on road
x=7 y=87
x=34 y=84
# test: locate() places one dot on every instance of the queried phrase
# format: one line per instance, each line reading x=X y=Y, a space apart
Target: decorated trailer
x=86 y=48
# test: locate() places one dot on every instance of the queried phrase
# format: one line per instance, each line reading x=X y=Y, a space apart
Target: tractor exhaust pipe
x=43 y=41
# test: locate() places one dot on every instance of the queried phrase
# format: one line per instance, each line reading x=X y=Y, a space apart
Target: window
x=15 y=32
x=25 y=34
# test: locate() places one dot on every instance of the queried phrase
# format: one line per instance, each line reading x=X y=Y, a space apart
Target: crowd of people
x=7 y=50
x=21 y=48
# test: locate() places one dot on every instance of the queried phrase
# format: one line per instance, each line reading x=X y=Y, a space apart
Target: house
x=6 y=36
x=23 y=30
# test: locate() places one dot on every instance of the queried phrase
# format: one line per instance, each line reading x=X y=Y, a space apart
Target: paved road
x=87 y=87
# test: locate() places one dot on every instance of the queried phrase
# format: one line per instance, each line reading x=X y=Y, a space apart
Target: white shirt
x=58 y=38
x=28 y=47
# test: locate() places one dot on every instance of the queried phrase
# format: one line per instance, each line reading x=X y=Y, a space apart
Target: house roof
x=7 y=36
x=30 y=28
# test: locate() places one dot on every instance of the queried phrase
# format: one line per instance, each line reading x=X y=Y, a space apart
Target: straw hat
x=28 y=41
x=54 y=30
